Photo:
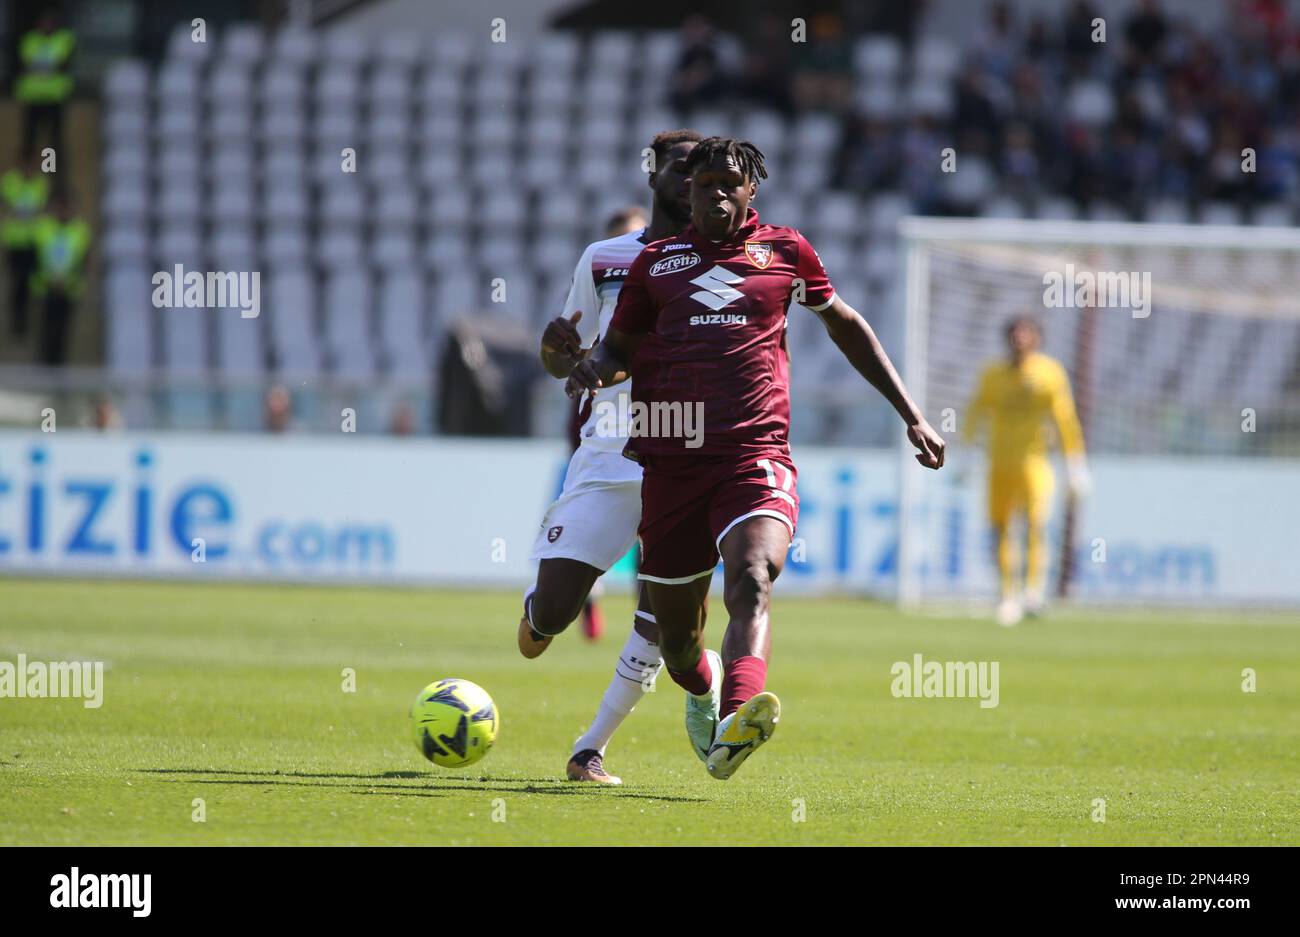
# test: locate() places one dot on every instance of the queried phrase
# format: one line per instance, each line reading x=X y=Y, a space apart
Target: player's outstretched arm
x=854 y=337
x=607 y=364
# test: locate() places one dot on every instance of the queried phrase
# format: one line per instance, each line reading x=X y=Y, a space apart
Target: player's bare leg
x=753 y=555
x=638 y=666
x=681 y=609
x=554 y=602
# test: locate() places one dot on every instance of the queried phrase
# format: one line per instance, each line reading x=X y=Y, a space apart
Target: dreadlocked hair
x=746 y=156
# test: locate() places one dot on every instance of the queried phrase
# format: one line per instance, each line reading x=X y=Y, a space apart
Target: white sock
x=638 y=667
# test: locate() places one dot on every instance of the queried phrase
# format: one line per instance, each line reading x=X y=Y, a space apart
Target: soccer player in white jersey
x=594 y=521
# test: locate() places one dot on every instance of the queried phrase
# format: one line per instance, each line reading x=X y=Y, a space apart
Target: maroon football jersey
x=713 y=318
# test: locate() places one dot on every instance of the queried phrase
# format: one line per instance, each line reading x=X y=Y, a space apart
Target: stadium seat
x=294 y=46
x=233 y=246
x=344 y=203
x=129 y=312
x=292 y=334
x=281 y=86
x=243 y=43
x=185 y=340
x=344 y=46
x=240 y=347
x=935 y=57
x=126 y=245
x=285 y=245
x=126 y=84
x=447 y=250
x=554 y=53
x=346 y=319
x=402 y=341
x=878 y=57
x=340 y=246
x=393 y=250
x=337 y=88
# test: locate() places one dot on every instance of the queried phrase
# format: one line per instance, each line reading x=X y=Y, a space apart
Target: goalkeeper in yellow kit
x=1016 y=399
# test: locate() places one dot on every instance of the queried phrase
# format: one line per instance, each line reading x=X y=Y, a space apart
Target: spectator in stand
x=996 y=49
x=921 y=143
x=44 y=81
x=764 y=78
x=104 y=416
x=1146 y=31
x=1081 y=52
x=25 y=192
x=1039 y=45
x=62 y=244
x=868 y=159
x=1020 y=168
x=279 y=410
x=698 y=78
x=402 y=422
x=973 y=114
x=824 y=66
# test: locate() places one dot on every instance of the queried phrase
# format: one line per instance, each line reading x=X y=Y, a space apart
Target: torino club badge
x=759 y=253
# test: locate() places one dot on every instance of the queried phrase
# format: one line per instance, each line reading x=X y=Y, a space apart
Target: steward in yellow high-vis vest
x=62 y=244
x=44 y=81
x=23 y=194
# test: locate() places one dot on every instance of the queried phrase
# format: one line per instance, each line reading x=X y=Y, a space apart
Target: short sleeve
x=818 y=291
x=582 y=295
x=635 y=313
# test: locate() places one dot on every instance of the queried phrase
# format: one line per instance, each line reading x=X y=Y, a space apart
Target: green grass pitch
x=233 y=694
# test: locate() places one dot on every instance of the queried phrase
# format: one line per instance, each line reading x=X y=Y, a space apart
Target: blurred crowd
x=1161 y=110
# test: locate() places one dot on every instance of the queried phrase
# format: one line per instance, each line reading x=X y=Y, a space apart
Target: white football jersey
x=596 y=283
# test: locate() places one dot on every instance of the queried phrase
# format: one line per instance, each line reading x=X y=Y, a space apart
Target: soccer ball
x=455 y=722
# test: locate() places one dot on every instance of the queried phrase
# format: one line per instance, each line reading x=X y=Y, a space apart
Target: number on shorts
x=783 y=490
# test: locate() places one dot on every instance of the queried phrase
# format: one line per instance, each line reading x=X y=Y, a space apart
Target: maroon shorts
x=690 y=502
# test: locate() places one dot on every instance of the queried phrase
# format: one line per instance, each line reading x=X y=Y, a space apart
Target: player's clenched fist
x=931 y=444
x=561 y=336
x=582 y=378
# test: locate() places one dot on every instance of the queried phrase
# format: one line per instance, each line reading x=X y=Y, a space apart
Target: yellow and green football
x=455 y=722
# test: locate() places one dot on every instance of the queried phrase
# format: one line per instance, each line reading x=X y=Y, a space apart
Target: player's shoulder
x=1049 y=366
x=621 y=248
x=776 y=232
x=668 y=245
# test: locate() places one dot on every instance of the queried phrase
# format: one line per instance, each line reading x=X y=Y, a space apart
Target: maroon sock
x=695 y=681
x=744 y=678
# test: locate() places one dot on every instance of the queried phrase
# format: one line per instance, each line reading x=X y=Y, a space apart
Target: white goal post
x=1182 y=343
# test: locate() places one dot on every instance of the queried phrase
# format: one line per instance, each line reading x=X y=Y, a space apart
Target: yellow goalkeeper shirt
x=1017 y=403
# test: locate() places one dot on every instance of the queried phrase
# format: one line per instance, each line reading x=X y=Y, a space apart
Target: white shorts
x=594 y=520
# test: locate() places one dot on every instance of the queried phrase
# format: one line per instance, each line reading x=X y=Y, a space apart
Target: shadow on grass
x=363 y=783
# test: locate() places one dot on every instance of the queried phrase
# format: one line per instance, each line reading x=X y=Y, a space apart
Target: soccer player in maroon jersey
x=700 y=327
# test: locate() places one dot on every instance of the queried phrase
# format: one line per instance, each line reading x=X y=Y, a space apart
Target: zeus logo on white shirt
x=717 y=289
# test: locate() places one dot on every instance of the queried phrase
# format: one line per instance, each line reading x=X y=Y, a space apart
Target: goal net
x=1182 y=344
